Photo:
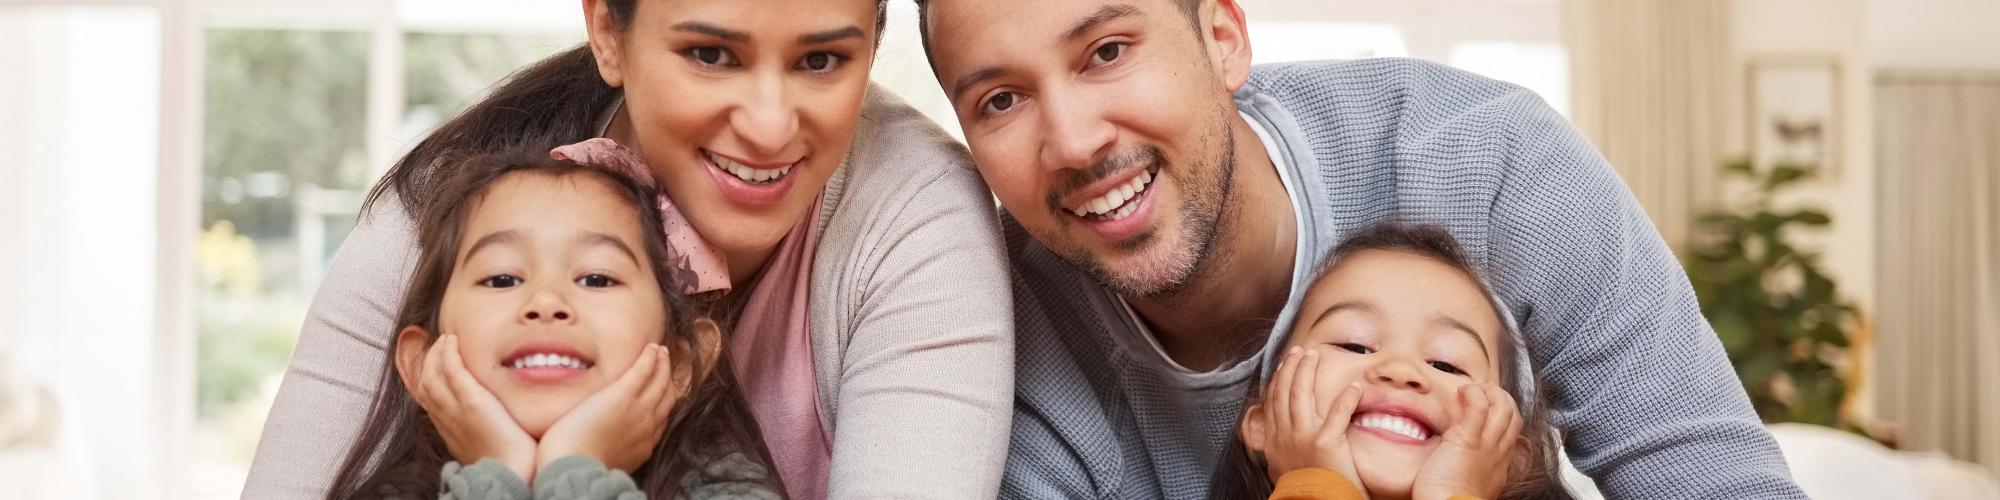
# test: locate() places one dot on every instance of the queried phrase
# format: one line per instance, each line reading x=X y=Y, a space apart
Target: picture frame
x=1795 y=116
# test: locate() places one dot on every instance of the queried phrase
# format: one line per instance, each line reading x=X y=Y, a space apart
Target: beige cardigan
x=912 y=327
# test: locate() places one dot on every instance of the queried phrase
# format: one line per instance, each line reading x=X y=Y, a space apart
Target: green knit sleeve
x=578 y=477
x=484 y=480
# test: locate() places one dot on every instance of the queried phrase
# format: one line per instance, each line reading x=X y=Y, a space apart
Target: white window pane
x=1541 y=67
x=79 y=147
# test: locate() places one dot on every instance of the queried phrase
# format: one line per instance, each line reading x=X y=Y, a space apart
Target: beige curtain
x=1938 y=330
x=1649 y=79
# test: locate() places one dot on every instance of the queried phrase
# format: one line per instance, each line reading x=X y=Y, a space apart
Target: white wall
x=1934 y=34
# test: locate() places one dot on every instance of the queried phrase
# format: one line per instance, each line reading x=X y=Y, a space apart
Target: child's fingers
x=1281 y=396
x=633 y=382
x=1472 y=424
x=1502 y=419
x=657 y=394
x=435 y=393
x=1305 y=408
x=463 y=387
x=1342 y=412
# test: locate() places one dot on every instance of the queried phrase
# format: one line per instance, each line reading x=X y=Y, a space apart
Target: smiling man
x=1166 y=202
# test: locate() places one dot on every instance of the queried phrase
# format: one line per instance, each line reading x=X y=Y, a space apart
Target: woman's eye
x=819 y=62
x=1447 y=368
x=1107 y=53
x=1000 y=102
x=711 y=56
x=500 y=281
x=1354 y=348
x=596 y=281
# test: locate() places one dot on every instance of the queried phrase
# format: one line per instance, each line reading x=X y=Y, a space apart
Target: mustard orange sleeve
x=1315 y=484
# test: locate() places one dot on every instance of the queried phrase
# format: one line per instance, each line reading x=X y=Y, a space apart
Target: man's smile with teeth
x=1117 y=203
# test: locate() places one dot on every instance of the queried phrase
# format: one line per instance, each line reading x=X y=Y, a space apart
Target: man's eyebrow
x=712 y=30
x=1103 y=15
x=593 y=238
x=973 y=78
x=497 y=238
x=1455 y=324
x=830 y=35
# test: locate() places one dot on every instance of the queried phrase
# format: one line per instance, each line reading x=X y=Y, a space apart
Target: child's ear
x=708 y=339
x=1252 y=428
x=411 y=345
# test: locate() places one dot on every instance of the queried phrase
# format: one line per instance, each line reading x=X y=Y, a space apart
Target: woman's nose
x=1399 y=373
x=766 y=121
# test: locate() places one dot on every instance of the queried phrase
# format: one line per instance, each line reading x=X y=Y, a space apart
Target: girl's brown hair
x=399 y=451
x=1535 y=472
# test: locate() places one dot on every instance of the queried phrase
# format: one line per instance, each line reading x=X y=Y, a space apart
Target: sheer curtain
x=1938 y=334
x=1650 y=78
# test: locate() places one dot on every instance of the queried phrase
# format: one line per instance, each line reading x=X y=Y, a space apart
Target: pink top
x=771 y=344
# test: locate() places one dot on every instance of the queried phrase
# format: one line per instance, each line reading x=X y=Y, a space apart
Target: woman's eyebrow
x=831 y=35
x=712 y=30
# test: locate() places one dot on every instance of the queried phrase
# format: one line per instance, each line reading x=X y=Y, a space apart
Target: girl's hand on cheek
x=1473 y=459
x=471 y=420
x=620 y=424
x=1298 y=435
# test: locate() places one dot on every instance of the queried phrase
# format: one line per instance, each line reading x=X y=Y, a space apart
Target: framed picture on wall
x=1795 y=113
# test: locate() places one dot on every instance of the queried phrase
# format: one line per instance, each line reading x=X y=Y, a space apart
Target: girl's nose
x=546 y=307
x=1400 y=374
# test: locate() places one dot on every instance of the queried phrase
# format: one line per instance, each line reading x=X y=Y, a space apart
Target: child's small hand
x=1475 y=454
x=468 y=417
x=621 y=423
x=1297 y=434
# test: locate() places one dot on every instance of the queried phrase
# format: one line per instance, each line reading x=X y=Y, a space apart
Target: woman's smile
x=754 y=184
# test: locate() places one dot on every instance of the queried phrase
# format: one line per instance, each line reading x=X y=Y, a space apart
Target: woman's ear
x=1251 y=431
x=411 y=345
x=708 y=348
x=605 y=43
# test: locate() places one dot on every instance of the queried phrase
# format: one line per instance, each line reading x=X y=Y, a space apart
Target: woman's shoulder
x=897 y=149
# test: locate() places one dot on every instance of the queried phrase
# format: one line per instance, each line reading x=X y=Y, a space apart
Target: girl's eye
x=1354 y=348
x=500 y=281
x=711 y=56
x=820 y=62
x=596 y=281
x=1447 y=368
x=1000 y=102
x=1107 y=53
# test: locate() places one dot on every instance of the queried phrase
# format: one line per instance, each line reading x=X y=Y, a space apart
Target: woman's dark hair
x=1536 y=470
x=559 y=100
x=399 y=450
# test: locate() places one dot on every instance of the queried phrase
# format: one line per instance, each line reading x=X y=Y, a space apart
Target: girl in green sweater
x=544 y=352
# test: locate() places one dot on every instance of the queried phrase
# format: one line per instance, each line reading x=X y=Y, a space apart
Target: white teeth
x=546 y=360
x=1392 y=423
x=751 y=175
x=1116 y=198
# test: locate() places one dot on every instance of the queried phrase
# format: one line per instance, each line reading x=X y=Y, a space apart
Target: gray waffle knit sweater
x=1635 y=376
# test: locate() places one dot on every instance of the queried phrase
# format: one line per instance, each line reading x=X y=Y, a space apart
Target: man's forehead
x=979 y=32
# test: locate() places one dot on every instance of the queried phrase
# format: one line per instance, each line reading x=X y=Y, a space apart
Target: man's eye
x=1107 y=53
x=596 y=281
x=819 y=62
x=711 y=56
x=500 y=281
x=1447 y=368
x=1000 y=102
x=1354 y=348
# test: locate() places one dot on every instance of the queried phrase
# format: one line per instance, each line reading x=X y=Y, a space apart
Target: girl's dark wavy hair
x=399 y=451
x=1536 y=470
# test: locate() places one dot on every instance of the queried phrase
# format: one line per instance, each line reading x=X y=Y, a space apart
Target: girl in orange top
x=1398 y=381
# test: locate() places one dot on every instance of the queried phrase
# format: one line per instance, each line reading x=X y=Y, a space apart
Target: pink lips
x=545 y=362
x=743 y=192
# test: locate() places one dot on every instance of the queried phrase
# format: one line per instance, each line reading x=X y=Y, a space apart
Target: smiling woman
x=861 y=270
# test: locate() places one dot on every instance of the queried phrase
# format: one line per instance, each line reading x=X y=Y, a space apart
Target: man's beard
x=1205 y=192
